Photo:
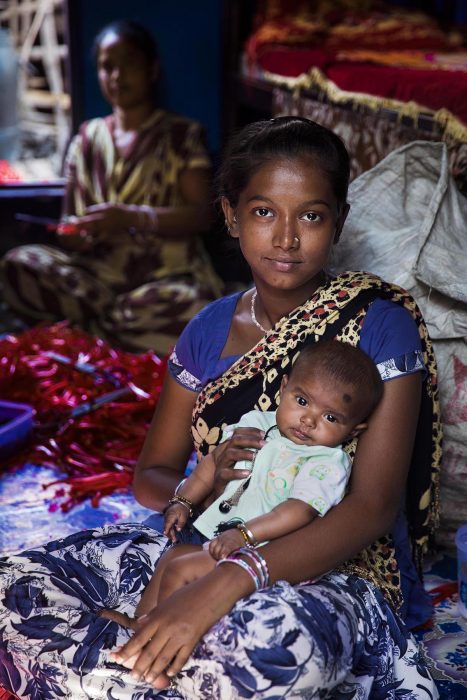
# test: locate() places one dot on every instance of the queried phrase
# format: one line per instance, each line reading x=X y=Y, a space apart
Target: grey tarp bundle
x=408 y=224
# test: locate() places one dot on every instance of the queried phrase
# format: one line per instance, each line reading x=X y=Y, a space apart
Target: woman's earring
x=227 y=225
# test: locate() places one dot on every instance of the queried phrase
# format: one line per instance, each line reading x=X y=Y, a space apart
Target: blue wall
x=189 y=39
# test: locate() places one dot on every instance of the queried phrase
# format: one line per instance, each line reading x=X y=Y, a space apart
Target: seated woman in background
x=133 y=268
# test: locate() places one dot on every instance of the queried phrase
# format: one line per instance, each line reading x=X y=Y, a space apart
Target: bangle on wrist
x=148 y=218
x=184 y=502
x=253 y=555
x=245 y=566
x=179 y=487
x=248 y=536
x=260 y=561
x=145 y=220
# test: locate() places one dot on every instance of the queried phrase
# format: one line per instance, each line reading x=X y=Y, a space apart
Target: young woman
x=138 y=194
x=283 y=191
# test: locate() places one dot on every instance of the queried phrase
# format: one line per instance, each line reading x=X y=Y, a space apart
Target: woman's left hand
x=164 y=640
x=104 y=218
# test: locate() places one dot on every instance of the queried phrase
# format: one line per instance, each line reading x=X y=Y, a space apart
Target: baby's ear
x=284 y=381
x=358 y=429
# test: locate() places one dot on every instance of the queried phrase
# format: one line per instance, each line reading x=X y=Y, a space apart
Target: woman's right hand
x=72 y=236
x=243 y=445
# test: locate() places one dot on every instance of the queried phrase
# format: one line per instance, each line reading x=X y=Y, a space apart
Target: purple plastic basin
x=15 y=426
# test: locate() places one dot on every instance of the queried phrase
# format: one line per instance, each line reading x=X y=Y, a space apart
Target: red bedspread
x=363 y=47
x=430 y=88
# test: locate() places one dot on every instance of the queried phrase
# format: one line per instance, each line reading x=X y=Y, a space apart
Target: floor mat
x=444 y=641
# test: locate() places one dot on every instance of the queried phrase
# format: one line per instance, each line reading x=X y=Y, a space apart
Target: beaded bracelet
x=245 y=566
x=184 y=502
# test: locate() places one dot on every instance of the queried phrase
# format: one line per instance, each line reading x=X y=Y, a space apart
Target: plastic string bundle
x=93 y=405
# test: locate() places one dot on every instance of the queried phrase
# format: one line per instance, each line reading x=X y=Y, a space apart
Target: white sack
x=408 y=224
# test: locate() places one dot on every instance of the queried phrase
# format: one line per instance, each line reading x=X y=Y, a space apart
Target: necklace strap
x=253 y=315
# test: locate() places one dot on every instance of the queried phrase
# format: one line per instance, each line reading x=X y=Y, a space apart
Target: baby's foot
x=120 y=618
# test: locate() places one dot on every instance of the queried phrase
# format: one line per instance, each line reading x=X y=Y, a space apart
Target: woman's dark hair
x=283 y=137
x=132 y=32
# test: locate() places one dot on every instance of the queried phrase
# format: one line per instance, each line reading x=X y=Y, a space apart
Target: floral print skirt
x=336 y=638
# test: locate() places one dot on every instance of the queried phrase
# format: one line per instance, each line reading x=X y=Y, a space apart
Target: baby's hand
x=225 y=543
x=175 y=518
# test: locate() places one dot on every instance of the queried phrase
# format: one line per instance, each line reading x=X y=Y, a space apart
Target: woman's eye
x=330 y=418
x=311 y=216
x=301 y=401
x=263 y=212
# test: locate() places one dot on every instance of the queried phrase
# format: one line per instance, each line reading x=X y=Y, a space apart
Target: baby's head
x=329 y=395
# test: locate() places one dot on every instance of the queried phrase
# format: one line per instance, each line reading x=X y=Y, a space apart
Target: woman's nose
x=286 y=236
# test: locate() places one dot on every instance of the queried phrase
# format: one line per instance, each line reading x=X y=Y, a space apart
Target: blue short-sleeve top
x=389 y=336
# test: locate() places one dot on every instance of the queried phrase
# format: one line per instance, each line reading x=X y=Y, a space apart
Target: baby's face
x=316 y=411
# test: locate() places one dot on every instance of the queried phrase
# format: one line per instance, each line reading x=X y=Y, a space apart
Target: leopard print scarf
x=336 y=310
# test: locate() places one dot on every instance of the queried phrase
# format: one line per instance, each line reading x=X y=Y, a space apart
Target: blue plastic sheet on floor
x=25 y=519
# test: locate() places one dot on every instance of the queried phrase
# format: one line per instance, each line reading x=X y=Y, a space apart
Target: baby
x=299 y=473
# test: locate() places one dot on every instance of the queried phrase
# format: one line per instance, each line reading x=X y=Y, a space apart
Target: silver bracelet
x=179 y=486
x=149 y=218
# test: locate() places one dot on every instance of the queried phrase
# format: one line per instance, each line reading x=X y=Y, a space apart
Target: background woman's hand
x=72 y=237
x=102 y=219
x=243 y=445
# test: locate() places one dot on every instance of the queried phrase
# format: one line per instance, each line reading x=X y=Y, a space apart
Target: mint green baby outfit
x=282 y=469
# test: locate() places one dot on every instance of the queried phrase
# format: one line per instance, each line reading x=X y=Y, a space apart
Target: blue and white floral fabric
x=337 y=638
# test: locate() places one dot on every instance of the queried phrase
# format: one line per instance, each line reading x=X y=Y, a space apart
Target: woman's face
x=126 y=77
x=286 y=222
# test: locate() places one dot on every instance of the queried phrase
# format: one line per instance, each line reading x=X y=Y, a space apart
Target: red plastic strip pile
x=98 y=448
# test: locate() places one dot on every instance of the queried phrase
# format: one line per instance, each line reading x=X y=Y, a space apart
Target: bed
x=380 y=76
